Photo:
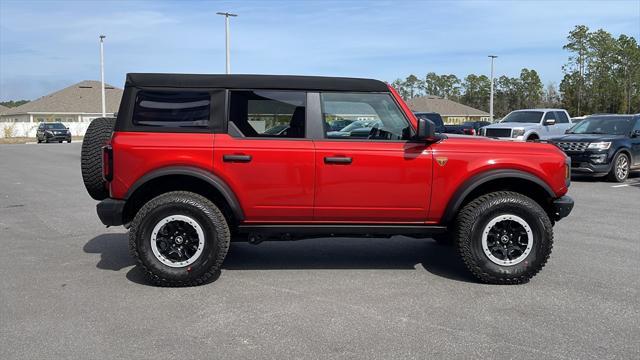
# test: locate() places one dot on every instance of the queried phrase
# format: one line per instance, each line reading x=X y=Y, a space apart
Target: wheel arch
x=496 y=180
x=182 y=178
x=626 y=151
x=532 y=133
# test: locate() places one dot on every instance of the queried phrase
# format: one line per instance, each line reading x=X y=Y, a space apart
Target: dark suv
x=52 y=132
x=603 y=145
x=191 y=164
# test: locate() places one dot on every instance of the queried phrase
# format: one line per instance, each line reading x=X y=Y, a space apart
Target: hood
x=586 y=137
x=511 y=125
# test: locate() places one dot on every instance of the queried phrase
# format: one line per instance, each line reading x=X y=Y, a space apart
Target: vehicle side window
x=172 y=109
x=372 y=116
x=269 y=113
x=561 y=117
x=637 y=127
x=549 y=115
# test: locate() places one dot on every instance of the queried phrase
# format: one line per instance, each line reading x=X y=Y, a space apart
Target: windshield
x=523 y=117
x=54 y=126
x=608 y=125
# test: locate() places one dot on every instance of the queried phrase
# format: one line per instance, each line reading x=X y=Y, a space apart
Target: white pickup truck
x=530 y=124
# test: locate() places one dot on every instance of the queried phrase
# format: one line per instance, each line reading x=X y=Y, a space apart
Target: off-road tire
x=613 y=174
x=209 y=217
x=97 y=135
x=471 y=222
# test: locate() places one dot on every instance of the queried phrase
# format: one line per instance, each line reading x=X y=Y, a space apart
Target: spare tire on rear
x=97 y=135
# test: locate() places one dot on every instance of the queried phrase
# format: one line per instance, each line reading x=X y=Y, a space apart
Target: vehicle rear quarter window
x=550 y=115
x=372 y=116
x=269 y=113
x=172 y=109
x=561 y=117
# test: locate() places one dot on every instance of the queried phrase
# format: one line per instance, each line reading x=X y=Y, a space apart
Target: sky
x=47 y=45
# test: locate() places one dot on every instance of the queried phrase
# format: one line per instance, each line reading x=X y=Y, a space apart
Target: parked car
x=435 y=118
x=530 y=125
x=52 y=132
x=337 y=125
x=184 y=178
x=466 y=128
x=359 y=128
x=577 y=119
x=603 y=145
x=277 y=130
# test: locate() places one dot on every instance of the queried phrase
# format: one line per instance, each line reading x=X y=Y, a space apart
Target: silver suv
x=530 y=124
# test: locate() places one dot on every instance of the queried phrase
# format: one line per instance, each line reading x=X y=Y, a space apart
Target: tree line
x=602 y=74
x=13 y=103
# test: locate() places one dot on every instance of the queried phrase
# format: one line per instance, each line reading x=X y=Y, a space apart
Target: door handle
x=236 y=158
x=337 y=160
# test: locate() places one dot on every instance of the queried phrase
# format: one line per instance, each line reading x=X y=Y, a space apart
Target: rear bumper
x=110 y=211
x=562 y=207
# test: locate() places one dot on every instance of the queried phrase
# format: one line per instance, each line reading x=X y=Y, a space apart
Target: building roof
x=83 y=97
x=287 y=82
x=3 y=109
x=444 y=107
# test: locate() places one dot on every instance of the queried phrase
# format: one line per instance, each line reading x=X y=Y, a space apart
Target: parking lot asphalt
x=69 y=288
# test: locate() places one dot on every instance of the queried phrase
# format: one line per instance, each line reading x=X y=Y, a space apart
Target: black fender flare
x=473 y=183
x=197 y=173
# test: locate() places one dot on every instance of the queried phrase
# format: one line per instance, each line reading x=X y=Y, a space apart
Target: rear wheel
x=97 y=135
x=504 y=237
x=620 y=169
x=180 y=239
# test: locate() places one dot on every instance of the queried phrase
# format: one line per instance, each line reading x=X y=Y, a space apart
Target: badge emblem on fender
x=442 y=160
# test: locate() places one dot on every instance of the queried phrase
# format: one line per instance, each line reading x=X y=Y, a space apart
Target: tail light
x=107 y=163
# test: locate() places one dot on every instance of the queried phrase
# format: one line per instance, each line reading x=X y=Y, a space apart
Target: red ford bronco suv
x=193 y=162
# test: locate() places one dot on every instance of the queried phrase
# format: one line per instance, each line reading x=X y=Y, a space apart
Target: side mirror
x=568 y=131
x=635 y=133
x=549 y=122
x=426 y=130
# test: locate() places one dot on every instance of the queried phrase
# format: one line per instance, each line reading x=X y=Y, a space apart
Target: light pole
x=227 y=40
x=104 y=107
x=491 y=98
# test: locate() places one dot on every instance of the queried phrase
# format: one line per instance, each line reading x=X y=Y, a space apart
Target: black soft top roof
x=287 y=82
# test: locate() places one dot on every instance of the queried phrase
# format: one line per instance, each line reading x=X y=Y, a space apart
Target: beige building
x=80 y=102
x=452 y=112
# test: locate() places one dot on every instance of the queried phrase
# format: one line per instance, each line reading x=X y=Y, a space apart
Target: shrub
x=9 y=130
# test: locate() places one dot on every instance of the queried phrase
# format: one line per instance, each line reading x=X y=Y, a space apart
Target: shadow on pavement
x=635 y=174
x=326 y=253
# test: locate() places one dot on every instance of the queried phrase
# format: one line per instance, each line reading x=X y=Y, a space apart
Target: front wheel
x=620 y=169
x=179 y=238
x=504 y=237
